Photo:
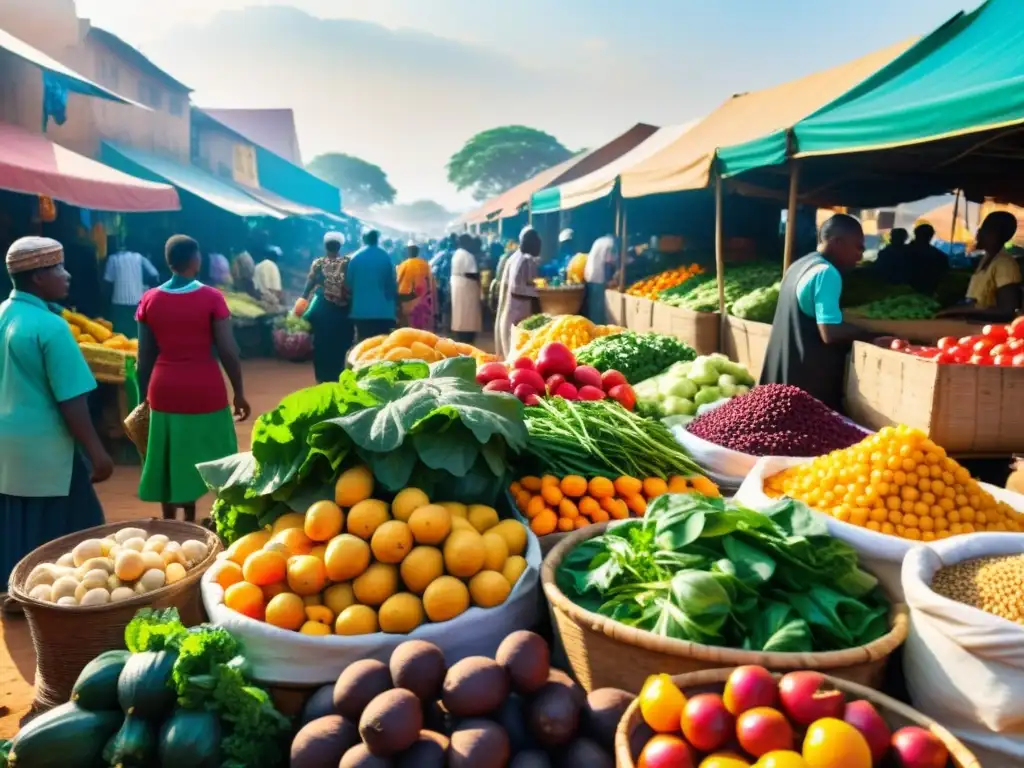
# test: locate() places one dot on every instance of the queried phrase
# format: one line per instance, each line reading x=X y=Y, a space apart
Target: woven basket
x=136 y=426
x=561 y=301
x=67 y=638
x=895 y=714
x=604 y=653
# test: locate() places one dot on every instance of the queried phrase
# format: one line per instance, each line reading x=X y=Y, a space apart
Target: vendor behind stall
x=127 y=273
x=994 y=293
x=809 y=340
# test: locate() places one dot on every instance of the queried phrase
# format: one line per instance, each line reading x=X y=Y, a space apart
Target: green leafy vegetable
x=637 y=356
x=211 y=673
x=712 y=572
x=739 y=281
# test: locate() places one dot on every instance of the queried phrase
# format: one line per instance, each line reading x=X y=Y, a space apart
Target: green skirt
x=177 y=442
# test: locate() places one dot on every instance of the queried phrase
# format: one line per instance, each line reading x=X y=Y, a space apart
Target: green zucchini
x=134 y=746
x=190 y=738
x=144 y=687
x=71 y=738
x=96 y=687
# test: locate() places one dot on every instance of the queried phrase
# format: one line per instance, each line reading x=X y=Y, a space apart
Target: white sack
x=728 y=464
x=965 y=667
x=282 y=657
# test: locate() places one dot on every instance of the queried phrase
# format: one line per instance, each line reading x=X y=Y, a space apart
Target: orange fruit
x=315 y=628
x=832 y=743
x=296 y=540
x=228 y=573
x=430 y=524
x=601 y=488
x=320 y=613
x=366 y=517
x=391 y=542
x=324 y=520
x=782 y=759
x=286 y=611
x=353 y=486
x=356 y=620
x=307 y=575
x=246 y=545
x=245 y=598
x=286 y=521
x=265 y=567
x=270 y=591
x=347 y=556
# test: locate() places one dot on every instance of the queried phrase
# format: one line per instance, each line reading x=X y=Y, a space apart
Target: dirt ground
x=266 y=381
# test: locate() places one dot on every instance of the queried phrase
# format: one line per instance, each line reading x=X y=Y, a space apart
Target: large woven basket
x=896 y=715
x=67 y=638
x=561 y=301
x=604 y=653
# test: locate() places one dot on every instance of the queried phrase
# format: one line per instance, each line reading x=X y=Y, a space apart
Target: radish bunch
x=555 y=374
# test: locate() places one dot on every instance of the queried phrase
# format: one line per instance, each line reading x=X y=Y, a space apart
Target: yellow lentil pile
x=897 y=482
x=572 y=330
x=993 y=584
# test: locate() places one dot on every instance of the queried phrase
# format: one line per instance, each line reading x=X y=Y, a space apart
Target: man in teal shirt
x=373 y=285
x=45 y=486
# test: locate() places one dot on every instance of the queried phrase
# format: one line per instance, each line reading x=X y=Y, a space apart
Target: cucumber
x=144 y=687
x=71 y=738
x=96 y=687
x=190 y=738
x=134 y=746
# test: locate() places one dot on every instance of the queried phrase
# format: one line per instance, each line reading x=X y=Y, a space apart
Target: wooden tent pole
x=719 y=245
x=952 y=229
x=791 y=213
x=622 y=232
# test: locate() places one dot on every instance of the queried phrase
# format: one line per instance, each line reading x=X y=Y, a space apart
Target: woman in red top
x=181 y=323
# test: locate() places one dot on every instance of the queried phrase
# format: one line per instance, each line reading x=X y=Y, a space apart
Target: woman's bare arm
x=227 y=351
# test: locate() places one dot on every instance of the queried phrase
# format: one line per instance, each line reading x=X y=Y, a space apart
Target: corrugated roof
x=273 y=129
x=135 y=57
x=686 y=164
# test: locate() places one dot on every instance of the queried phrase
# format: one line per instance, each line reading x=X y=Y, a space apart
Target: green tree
x=498 y=159
x=362 y=184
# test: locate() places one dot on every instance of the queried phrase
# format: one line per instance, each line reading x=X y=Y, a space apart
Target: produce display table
x=615 y=307
x=701 y=330
x=746 y=342
x=917 y=331
x=970 y=410
x=638 y=313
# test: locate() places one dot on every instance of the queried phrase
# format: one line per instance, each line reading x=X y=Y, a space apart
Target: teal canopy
x=546 y=200
x=942 y=110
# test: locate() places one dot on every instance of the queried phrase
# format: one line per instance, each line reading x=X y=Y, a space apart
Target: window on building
x=177 y=105
x=150 y=95
x=109 y=73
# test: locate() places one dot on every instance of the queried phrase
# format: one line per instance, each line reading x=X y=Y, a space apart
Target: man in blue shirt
x=809 y=340
x=373 y=285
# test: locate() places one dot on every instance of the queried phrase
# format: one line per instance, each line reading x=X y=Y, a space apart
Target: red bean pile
x=776 y=420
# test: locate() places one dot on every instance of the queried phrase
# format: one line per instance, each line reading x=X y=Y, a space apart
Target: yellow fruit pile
x=358 y=565
x=651 y=287
x=413 y=344
x=572 y=330
x=99 y=332
x=897 y=482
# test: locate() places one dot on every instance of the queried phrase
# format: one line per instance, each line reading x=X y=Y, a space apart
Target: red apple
x=706 y=723
x=554 y=382
x=568 y=392
x=587 y=376
x=666 y=752
x=762 y=730
x=498 y=385
x=806 y=698
x=865 y=718
x=917 y=748
x=523 y=391
x=525 y=363
x=526 y=376
x=749 y=687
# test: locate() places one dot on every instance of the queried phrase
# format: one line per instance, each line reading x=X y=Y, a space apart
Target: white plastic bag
x=282 y=657
x=965 y=667
x=724 y=462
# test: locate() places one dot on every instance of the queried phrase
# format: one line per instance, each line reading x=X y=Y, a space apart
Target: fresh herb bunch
x=533 y=322
x=713 y=572
x=211 y=674
x=914 y=306
x=601 y=438
x=759 y=305
x=739 y=281
x=637 y=356
x=431 y=426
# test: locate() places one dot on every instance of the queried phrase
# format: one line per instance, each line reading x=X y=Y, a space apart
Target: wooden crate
x=967 y=409
x=746 y=342
x=639 y=313
x=615 y=307
x=701 y=330
x=917 y=331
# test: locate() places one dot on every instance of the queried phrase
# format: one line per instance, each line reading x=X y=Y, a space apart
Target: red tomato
x=946 y=342
x=968 y=341
x=999 y=349
x=996 y=332
x=1018 y=361
x=981 y=360
x=929 y=353
x=983 y=346
x=1002 y=360
x=945 y=358
x=899 y=345
x=1016 y=345
x=1017 y=330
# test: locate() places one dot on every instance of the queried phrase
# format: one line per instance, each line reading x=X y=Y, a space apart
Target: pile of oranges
x=651 y=287
x=552 y=504
x=359 y=565
x=897 y=482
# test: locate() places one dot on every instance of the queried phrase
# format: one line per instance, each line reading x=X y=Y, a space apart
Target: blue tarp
x=294 y=183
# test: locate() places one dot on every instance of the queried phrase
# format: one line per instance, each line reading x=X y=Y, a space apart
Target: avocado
x=479 y=744
x=320 y=704
x=419 y=667
x=430 y=750
x=527 y=658
x=474 y=687
x=531 y=758
x=512 y=717
x=391 y=723
x=359 y=757
x=584 y=753
x=323 y=742
x=554 y=715
x=359 y=684
x=602 y=713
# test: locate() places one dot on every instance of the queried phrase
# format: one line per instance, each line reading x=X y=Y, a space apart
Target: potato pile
x=359 y=565
x=123 y=565
x=417 y=712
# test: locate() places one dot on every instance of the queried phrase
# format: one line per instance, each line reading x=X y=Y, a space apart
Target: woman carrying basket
x=45 y=485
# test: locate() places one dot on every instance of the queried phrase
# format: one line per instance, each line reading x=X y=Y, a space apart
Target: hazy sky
x=403 y=83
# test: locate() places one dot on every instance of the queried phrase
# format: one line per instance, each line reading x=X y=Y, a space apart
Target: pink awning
x=32 y=164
